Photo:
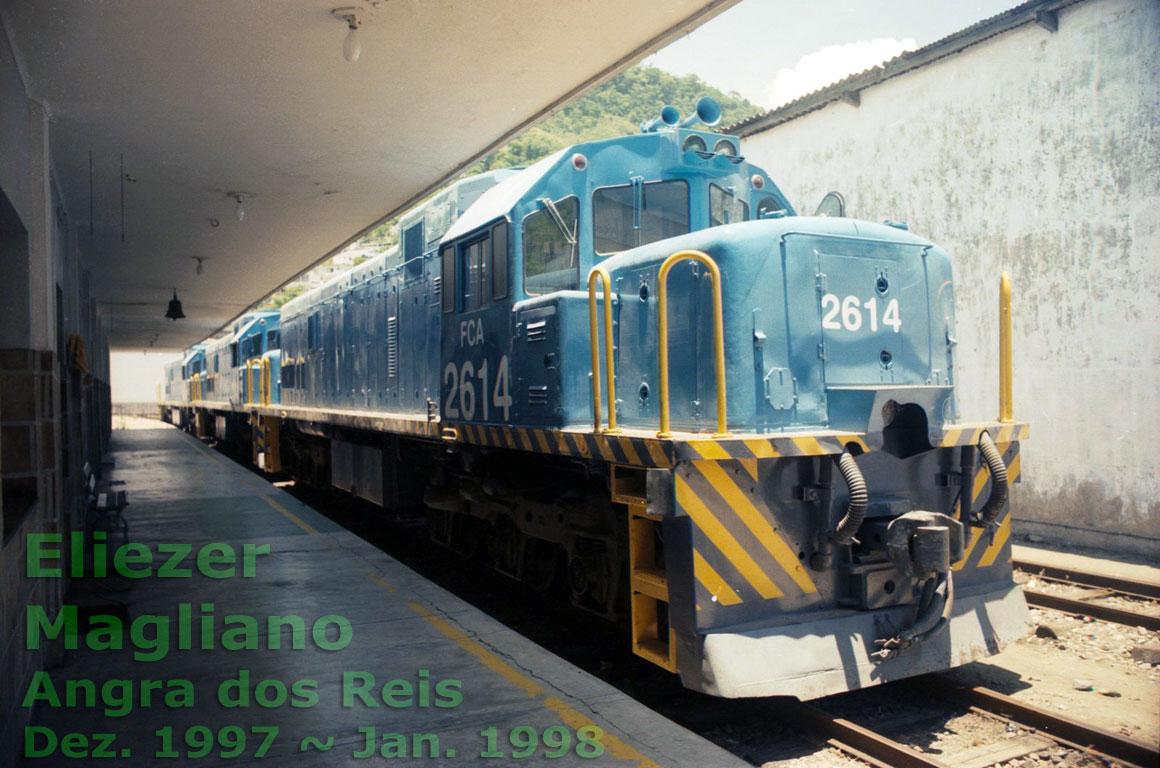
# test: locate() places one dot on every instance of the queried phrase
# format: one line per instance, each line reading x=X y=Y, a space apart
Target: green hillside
x=614 y=109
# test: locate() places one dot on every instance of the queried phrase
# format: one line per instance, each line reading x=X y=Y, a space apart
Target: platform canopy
x=165 y=112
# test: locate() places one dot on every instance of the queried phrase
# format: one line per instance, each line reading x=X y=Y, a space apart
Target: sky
x=769 y=51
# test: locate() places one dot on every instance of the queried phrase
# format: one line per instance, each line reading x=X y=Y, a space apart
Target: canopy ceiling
x=173 y=106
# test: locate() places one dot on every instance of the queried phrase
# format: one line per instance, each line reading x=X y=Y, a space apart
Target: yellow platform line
x=757 y=523
x=724 y=541
x=568 y=714
x=712 y=581
x=289 y=515
x=612 y=745
x=377 y=579
x=481 y=654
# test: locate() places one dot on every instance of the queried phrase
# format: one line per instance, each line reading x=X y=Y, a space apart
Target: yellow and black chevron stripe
x=374 y=421
x=982 y=549
x=739 y=552
x=616 y=449
x=969 y=434
x=768 y=447
x=632 y=449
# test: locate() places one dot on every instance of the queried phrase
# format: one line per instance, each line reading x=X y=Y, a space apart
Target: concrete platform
x=402 y=628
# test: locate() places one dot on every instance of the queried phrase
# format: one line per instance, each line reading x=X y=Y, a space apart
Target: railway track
x=1099 y=586
x=881 y=751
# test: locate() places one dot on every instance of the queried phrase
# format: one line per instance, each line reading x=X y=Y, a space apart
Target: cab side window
x=447 y=281
x=475 y=272
x=724 y=208
x=413 y=251
x=499 y=261
x=474 y=263
x=767 y=206
x=551 y=261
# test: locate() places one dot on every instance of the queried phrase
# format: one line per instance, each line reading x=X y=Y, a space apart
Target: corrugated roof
x=847 y=89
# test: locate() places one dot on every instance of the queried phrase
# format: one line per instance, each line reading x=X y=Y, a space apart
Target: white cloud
x=831 y=64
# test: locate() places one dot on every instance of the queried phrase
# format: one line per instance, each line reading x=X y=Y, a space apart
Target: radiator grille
x=538 y=331
x=392 y=347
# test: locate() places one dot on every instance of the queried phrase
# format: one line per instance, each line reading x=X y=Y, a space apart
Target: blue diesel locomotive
x=633 y=371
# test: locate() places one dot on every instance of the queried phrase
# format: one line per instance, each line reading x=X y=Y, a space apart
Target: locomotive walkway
x=409 y=659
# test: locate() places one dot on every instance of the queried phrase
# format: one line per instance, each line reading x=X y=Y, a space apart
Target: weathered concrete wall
x=1037 y=152
x=54 y=400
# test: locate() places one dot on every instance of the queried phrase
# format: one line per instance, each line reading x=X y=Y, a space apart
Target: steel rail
x=852 y=738
x=1095 y=610
x=1065 y=731
x=1132 y=587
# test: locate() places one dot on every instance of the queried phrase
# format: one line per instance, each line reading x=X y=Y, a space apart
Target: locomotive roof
x=192 y=352
x=503 y=197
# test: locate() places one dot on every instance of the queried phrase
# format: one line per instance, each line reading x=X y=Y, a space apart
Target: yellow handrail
x=1005 y=409
x=593 y=335
x=718 y=337
x=256 y=366
x=264 y=382
x=248 y=382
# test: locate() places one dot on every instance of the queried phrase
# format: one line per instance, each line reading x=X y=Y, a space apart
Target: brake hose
x=843 y=535
x=998 y=496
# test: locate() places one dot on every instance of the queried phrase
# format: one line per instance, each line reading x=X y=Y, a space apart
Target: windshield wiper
x=558 y=220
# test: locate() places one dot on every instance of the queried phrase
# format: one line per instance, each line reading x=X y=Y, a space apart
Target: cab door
x=475 y=375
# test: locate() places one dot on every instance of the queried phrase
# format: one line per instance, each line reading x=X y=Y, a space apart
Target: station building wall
x=1037 y=152
x=54 y=383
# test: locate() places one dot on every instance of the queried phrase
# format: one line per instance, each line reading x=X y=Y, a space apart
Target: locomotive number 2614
x=460 y=383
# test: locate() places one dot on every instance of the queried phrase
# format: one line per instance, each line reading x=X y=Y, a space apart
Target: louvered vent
x=437 y=286
x=392 y=347
x=537 y=395
x=538 y=331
